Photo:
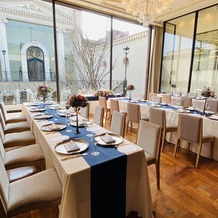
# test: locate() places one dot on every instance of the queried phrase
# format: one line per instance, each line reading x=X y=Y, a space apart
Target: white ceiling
x=115 y=7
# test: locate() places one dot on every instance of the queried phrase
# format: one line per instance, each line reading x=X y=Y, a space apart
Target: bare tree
x=88 y=58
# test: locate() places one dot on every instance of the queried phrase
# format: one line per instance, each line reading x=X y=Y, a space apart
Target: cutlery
x=73 y=156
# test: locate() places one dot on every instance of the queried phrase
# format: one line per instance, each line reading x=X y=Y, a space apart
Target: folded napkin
x=72 y=146
x=215 y=117
x=53 y=126
x=107 y=138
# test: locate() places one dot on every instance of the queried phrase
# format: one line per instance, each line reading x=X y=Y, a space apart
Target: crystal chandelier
x=146 y=10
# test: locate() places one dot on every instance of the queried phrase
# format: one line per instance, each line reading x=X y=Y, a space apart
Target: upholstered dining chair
x=103 y=102
x=31 y=155
x=13 y=127
x=192 y=94
x=149 y=138
x=12 y=118
x=84 y=111
x=118 y=123
x=114 y=106
x=16 y=139
x=166 y=98
x=157 y=99
x=41 y=190
x=187 y=101
x=199 y=104
x=158 y=116
x=133 y=115
x=98 y=117
x=190 y=129
x=213 y=105
x=177 y=101
x=151 y=95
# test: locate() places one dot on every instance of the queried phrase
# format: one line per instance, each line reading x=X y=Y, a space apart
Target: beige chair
x=84 y=111
x=31 y=155
x=212 y=105
x=13 y=127
x=114 y=106
x=149 y=138
x=103 y=102
x=98 y=115
x=177 y=101
x=187 y=101
x=158 y=116
x=166 y=98
x=41 y=190
x=118 y=123
x=199 y=104
x=12 y=118
x=190 y=129
x=150 y=95
x=16 y=139
x=192 y=94
x=157 y=99
x=177 y=93
x=133 y=115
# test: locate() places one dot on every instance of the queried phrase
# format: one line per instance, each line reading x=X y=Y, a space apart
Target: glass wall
x=189 y=65
x=205 y=65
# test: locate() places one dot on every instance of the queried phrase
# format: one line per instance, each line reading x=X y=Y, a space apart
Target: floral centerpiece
x=103 y=93
x=77 y=101
x=208 y=92
x=43 y=91
x=130 y=88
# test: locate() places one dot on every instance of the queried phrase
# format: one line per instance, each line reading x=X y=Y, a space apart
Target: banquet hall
x=158 y=57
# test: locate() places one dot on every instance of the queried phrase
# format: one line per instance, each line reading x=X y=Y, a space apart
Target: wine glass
x=68 y=120
x=95 y=152
x=207 y=106
x=89 y=128
x=56 y=111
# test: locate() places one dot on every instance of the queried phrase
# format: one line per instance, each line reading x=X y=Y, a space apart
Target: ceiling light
x=146 y=10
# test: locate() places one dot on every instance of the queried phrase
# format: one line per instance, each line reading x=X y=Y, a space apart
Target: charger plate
x=82 y=144
x=118 y=139
x=47 y=127
x=38 y=109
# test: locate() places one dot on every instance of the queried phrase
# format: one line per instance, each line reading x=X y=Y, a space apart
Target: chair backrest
x=133 y=112
x=114 y=105
x=192 y=94
x=157 y=99
x=213 y=105
x=190 y=128
x=177 y=101
x=157 y=116
x=4 y=189
x=150 y=95
x=3 y=109
x=149 y=138
x=199 y=104
x=177 y=93
x=84 y=111
x=166 y=98
x=98 y=115
x=187 y=101
x=118 y=123
x=2 y=121
x=102 y=102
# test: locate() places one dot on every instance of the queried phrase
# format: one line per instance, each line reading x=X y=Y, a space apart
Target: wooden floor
x=184 y=190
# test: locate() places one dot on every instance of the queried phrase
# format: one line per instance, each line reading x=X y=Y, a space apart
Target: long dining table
x=210 y=125
x=109 y=185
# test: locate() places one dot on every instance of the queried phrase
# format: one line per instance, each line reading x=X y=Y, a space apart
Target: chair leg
x=198 y=155
x=211 y=149
x=176 y=146
x=158 y=174
x=127 y=125
x=163 y=141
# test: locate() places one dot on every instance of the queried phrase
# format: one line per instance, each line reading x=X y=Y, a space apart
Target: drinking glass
x=89 y=128
x=95 y=152
x=68 y=120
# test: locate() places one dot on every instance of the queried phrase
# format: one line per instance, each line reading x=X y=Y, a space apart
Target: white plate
x=82 y=144
x=81 y=123
x=47 y=128
x=183 y=111
x=39 y=109
x=42 y=116
x=118 y=140
x=213 y=117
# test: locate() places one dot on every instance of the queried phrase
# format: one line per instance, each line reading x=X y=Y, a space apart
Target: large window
x=189 y=64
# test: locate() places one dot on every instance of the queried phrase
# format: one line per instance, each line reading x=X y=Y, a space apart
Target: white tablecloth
x=75 y=176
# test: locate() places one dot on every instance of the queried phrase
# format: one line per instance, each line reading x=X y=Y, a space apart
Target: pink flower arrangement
x=103 y=93
x=130 y=87
x=208 y=92
x=43 y=90
x=77 y=101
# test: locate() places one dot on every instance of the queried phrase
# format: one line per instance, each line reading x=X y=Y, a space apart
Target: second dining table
x=111 y=184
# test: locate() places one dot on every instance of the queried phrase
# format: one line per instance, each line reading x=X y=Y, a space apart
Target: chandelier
x=146 y=10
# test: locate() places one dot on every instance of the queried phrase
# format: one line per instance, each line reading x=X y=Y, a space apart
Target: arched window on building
x=35 y=64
